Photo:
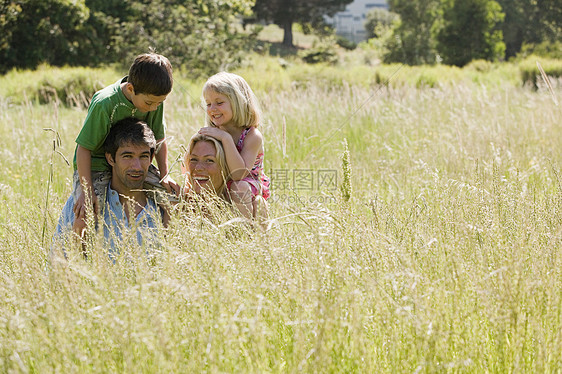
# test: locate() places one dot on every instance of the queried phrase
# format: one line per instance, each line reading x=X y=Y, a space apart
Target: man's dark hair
x=129 y=131
x=151 y=74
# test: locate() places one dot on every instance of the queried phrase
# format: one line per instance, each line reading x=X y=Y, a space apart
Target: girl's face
x=219 y=109
x=204 y=169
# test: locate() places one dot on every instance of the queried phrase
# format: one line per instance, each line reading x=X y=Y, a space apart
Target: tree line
x=204 y=36
x=199 y=35
x=459 y=31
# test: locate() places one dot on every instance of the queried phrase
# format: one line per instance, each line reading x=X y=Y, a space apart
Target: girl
x=232 y=118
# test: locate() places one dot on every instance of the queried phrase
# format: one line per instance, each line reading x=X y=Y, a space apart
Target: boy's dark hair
x=151 y=74
x=129 y=131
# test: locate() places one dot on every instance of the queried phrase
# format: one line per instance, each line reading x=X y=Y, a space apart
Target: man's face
x=130 y=167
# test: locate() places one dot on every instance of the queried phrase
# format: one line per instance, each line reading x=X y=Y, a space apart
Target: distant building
x=350 y=22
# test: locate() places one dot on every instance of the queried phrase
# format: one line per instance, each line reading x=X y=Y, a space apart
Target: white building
x=350 y=22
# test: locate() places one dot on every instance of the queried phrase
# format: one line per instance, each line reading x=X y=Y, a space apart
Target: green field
x=447 y=258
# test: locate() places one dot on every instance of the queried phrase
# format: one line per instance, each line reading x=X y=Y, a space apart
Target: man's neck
x=136 y=198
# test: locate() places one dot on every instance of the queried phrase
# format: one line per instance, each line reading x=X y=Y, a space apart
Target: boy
x=140 y=95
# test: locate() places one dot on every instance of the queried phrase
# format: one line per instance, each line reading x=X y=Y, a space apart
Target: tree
x=412 y=41
x=198 y=35
x=36 y=31
x=469 y=31
x=530 y=21
x=105 y=22
x=378 y=21
x=286 y=12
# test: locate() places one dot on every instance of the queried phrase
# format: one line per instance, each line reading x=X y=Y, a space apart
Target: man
x=129 y=150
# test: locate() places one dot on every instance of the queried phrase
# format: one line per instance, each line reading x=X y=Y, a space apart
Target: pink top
x=257 y=173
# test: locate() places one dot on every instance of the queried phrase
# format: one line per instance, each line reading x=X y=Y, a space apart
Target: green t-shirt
x=108 y=106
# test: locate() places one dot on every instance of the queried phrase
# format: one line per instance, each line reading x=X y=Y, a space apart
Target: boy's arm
x=162 y=162
x=84 y=168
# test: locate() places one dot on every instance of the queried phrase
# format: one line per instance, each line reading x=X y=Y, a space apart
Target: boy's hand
x=170 y=185
x=79 y=226
x=79 y=208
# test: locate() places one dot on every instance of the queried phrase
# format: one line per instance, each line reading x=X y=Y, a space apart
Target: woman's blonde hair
x=244 y=104
x=219 y=155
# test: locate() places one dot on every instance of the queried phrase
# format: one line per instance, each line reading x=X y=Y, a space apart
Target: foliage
x=345 y=43
x=378 y=22
x=309 y=13
x=469 y=31
x=39 y=31
x=268 y=72
x=412 y=41
x=426 y=23
x=530 y=73
x=319 y=52
x=547 y=49
x=70 y=86
x=198 y=35
x=530 y=22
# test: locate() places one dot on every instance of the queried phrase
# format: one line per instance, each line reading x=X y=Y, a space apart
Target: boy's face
x=144 y=102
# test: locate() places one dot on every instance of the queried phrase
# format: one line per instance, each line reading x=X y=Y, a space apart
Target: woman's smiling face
x=204 y=169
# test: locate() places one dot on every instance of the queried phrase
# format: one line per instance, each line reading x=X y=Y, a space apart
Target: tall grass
x=445 y=259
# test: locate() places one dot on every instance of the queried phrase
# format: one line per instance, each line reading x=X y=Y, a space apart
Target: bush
x=320 y=53
x=482 y=66
x=530 y=72
x=545 y=49
x=345 y=43
x=72 y=87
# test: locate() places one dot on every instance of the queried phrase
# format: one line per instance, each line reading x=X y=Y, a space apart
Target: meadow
x=446 y=257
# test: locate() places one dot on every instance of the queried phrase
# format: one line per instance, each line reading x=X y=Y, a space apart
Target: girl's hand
x=215 y=132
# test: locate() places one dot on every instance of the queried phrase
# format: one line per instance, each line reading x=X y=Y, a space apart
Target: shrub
x=320 y=53
x=73 y=87
x=345 y=43
x=545 y=49
x=530 y=72
x=482 y=66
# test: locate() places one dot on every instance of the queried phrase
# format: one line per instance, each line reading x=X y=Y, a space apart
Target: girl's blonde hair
x=219 y=155
x=244 y=104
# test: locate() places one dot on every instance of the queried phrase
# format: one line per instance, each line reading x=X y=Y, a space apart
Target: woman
x=208 y=172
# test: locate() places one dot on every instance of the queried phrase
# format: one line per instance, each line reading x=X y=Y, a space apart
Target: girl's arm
x=239 y=163
x=162 y=162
